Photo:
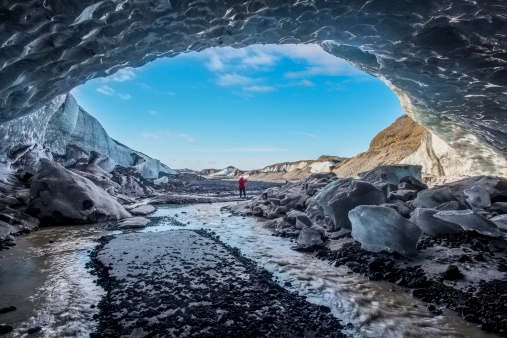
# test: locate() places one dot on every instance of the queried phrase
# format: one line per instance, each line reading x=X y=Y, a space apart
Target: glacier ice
x=61 y=196
x=432 y=198
x=478 y=197
x=430 y=225
x=340 y=196
x=380 y=228
x=500 y=221
x=309 y=237
x=470 y=220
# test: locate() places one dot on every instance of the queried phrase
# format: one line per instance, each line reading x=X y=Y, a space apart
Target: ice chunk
x=430 y=225
x=341 y=196
x=470 y=220
x=501 y=222
x=133 y=223
x=309 y=237
x=379 y=228
x=478 y=197
x=432 y=198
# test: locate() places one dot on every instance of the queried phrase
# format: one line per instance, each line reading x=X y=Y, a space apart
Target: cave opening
x=248 y=108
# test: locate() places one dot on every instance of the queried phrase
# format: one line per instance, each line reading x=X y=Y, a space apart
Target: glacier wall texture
x=446 y=56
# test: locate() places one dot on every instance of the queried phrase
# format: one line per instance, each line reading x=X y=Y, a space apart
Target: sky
x=248 y=107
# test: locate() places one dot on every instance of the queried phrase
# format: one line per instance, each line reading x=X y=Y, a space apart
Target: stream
x=46 y=278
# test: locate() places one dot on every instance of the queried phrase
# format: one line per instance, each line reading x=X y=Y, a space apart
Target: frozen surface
x=339 y=197
x=478 y=197
x=430 y=225
x=61 y=196
x=432 y=198
x=309 y=237
x=380 y=228
x=469 y=220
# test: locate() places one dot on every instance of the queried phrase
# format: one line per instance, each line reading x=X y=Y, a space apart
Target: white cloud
x=259 y=89
x=228 y=80
x=186 y=137
x=123 y=75
x=106 y=90
x=306 y=134
x=125 y=97
x=305 y=83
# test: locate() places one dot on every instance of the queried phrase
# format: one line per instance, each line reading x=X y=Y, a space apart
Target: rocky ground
x=186 y=283
x=447 y=243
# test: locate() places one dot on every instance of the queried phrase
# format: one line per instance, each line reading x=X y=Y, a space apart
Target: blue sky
x=245 y=107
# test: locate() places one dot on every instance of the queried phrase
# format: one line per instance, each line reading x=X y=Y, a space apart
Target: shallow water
x=51 y=287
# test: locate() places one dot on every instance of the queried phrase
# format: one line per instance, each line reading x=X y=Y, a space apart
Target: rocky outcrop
x=59 y=196
x=390 y=146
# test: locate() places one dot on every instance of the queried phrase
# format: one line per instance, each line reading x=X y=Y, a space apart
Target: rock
x=414 y=182
x=343 y=195
x=470 y=220
x=496 y=187
x=5 y=328
x=402 y=195
x=379 y=228
x=303 y=221
x=452 y=273
x=478 y=197
x=430 y=225
x=60 y=196
x=432 y=198
x=500 y=207
x=309 y=237
x=501 y=222
x=161 y=180
x=7 y=309
x=143 y=210
x=133 y=223
x=453 y=205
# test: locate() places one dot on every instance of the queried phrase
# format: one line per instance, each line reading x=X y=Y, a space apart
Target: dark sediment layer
x=186 y=282
x=479 y=301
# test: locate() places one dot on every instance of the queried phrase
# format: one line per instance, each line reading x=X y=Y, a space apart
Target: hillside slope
x=390 y=146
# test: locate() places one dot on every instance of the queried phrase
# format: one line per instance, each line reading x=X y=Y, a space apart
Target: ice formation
x=470 y=220
x=478 y=197
x=430 y=225
x=444 y=59
x=380 y=228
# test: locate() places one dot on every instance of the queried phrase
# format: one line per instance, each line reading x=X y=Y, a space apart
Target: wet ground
x=52 y=288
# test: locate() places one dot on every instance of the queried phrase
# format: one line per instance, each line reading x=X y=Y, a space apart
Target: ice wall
x=448 y=56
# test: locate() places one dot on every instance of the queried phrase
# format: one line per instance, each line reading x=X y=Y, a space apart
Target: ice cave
x=433 y=224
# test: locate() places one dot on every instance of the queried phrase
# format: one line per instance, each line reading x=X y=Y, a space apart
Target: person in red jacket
x=242 y=187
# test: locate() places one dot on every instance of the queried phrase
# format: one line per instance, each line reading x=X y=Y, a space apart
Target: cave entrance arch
x=445 y=60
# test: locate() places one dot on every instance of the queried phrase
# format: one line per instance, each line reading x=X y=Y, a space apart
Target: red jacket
x=242 y=183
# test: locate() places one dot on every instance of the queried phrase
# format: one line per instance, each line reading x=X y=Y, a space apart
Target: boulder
x=341 y=196
x=496 y=187
x=478 y=197
x=392 y=173
x=470 y=220
x=432 y=198
x=414 y=182
x=133 y=223
x=500 y=207
x=501 y=222
x=453 y=205
x=309 y=237
x=58 y=196
x=143 y=210
x=430 y=225
x=402 y=195
x=379 y=228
